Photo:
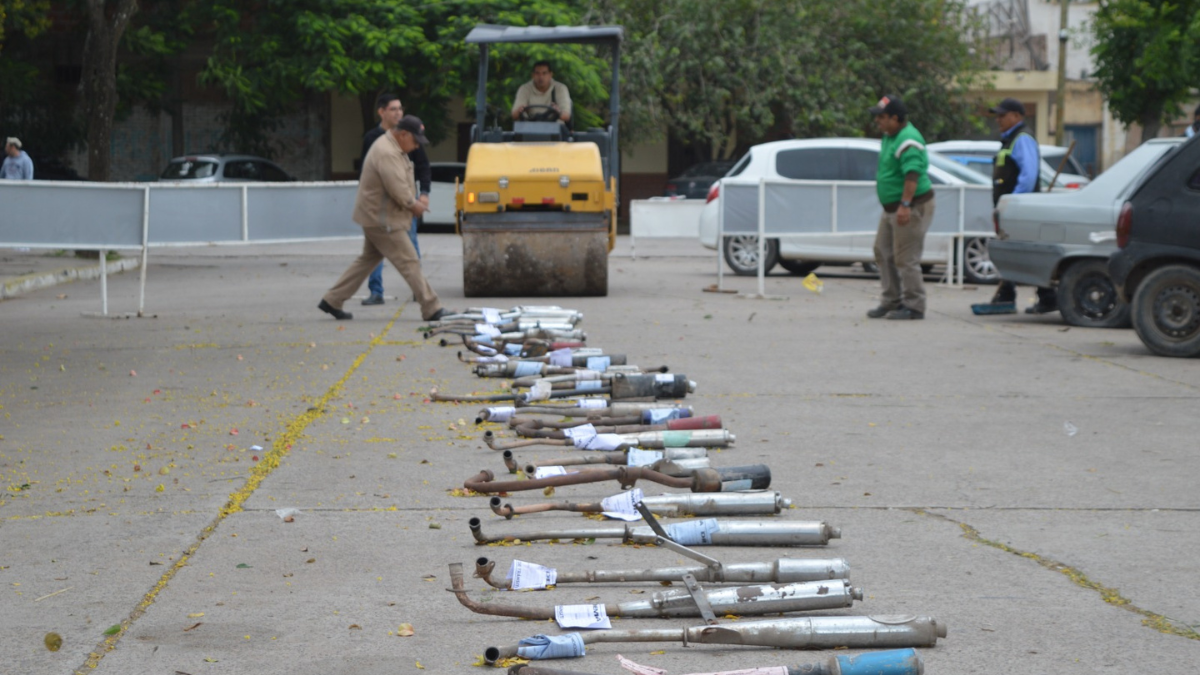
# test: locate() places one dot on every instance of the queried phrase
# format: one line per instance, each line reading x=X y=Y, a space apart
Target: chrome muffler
x=703 y=532
x=781 y=571
x=672 y=506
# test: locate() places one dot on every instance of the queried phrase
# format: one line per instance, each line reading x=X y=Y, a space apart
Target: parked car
x=989 y=149
x=441 y=192
x=854 y=159
x=1064 y=239
x=1157 y=266
x=223 y=168
x=983 y=166
x=694 y=183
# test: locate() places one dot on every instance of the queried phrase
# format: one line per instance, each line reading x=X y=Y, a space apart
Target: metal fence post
x=103 y=282
x=762 y=237
x=721 y=234
x=245 y=214
x=145 y=250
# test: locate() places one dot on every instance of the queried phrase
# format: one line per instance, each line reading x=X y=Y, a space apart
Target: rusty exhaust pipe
x=654 y=440
x=803 y=596
x=817 y=632
x=782 y=570
x=722 y=479
x=664 y=462
x=706 y=532
x=886 y=662
x=672 y=506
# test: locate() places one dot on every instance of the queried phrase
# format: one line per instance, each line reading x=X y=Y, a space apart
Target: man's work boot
x=374 y=299
x=334 y=311
x=879 y=312
x=905 y=314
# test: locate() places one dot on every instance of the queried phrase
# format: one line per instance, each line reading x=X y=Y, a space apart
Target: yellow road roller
x=537 y=208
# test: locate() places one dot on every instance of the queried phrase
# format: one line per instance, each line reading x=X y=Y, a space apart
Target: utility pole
x=1059 y=131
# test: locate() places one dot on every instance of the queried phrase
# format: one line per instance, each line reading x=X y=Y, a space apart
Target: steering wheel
x=540 y=113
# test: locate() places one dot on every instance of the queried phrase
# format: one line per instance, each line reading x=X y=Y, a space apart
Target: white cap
x=13 y=140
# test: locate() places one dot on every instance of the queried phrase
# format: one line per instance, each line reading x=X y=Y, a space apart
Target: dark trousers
x=1007 y=292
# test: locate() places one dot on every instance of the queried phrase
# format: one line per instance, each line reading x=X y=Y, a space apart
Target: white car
x=1051 y=157
x=851 y=159
x=441 y=192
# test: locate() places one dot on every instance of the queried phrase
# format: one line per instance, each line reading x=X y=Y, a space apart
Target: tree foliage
x=782 y=68
x=1147 y=56
x=23 y=17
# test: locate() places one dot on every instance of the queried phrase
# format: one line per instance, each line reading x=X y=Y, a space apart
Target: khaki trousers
x=395 y=245
x=898 y=255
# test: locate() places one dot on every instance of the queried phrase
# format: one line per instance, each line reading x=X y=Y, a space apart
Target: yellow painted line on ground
x=270 y=461
x=1108 y=594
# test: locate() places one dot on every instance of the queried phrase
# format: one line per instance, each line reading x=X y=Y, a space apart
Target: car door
x=823 y=163
x=861 y=164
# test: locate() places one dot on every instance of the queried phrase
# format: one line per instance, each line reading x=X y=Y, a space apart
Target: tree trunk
x=1151 y=122
x=106 y=20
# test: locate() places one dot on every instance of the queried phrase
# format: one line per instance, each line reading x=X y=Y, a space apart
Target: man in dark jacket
x=1016 y=170
x=390 y=110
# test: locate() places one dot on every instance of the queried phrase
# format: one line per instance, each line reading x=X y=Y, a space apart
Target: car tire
x=801 y=268
x=978 y=267
x=1166 y=311
x=1087 y=297
x=741 y=254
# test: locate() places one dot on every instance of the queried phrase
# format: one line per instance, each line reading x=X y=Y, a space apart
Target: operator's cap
x=889 y=105
x=1008 y=105
x=413 y=125
x=13 y=140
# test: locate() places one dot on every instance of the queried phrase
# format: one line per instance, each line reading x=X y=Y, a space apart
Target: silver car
x=1065 y=238
x=223 y=168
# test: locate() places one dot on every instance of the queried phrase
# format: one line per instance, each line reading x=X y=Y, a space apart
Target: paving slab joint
x=1112 y=596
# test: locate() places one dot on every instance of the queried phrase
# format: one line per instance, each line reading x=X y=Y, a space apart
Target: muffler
x=817 y=632
x=672 y=506
x=885 y=662
x=781 y=571
x=668 y=461
x=692 y=438
x=722 y=479
x=703 y=532
x=596 y=407
x=738 y=600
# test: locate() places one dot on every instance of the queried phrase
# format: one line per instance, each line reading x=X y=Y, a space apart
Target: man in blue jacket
x=1016 y=171
x=17 y=165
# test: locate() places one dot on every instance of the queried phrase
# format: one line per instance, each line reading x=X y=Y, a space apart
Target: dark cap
x=413 y=125
x=889 y=105
x=1008 y=105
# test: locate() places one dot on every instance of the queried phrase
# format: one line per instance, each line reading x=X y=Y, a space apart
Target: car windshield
x=707 y=169
x=957 y=170
x=1120 y=177
x=183 y=169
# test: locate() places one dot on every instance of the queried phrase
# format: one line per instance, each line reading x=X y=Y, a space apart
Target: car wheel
x=799 y=267
x=741 y=254
x=1087 y=297
x=1166 y=311
x=978 y=267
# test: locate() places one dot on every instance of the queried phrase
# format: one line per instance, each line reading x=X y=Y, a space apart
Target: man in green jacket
x=906 y=194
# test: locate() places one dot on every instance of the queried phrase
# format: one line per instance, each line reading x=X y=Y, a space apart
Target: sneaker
x=334 y=311
x=879 y=312
x=375 y=299
x=437 y=316
x=905 y=314
x=1041 y=308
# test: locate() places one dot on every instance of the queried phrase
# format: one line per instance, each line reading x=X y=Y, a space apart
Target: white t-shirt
x=557 y=93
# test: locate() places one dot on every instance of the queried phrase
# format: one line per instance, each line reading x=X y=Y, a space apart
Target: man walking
x=390 y=110
x=1015 y=171
x=385 y=207
x=17 y=165
x=906 y=194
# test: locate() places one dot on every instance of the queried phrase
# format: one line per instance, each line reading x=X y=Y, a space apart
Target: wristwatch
x=906 y=203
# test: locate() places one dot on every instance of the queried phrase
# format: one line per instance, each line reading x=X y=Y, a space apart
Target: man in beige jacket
x=385 y=207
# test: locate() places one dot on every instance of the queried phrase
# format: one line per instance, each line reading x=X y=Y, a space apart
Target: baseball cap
x=1008 y=105
x=13 y=140
x=890 y=105
x=413 y=125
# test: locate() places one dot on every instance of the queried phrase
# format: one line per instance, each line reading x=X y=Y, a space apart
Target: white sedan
x=846 y=159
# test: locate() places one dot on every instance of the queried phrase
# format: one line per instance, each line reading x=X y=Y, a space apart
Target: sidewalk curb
x=31 y=282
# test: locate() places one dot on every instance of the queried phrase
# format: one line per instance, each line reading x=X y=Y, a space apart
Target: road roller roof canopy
x=490 y=33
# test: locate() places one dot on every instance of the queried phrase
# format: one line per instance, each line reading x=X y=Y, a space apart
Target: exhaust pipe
x=817 y=632
x=887 y=662
x=782 y=571
x=672 y=506
x=706 y=532
x=597 y=407
x=698 y=438
x=739 y=600
x=669 y=455
x=723 y=479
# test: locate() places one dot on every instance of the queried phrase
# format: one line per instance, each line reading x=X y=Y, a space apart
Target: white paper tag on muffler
x=530 y=575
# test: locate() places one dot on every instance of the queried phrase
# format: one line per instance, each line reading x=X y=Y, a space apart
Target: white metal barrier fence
x=141 y=216
x=842 y=214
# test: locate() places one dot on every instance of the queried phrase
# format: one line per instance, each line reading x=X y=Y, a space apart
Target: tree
x=106 y=23
x=24 y=17
x=1147 y=58
x=269 y=54
x=783 y=68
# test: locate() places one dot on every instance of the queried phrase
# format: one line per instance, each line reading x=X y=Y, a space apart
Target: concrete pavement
x=133 y=495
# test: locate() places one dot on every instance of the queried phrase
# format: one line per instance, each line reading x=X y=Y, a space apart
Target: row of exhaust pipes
x=631 y=426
